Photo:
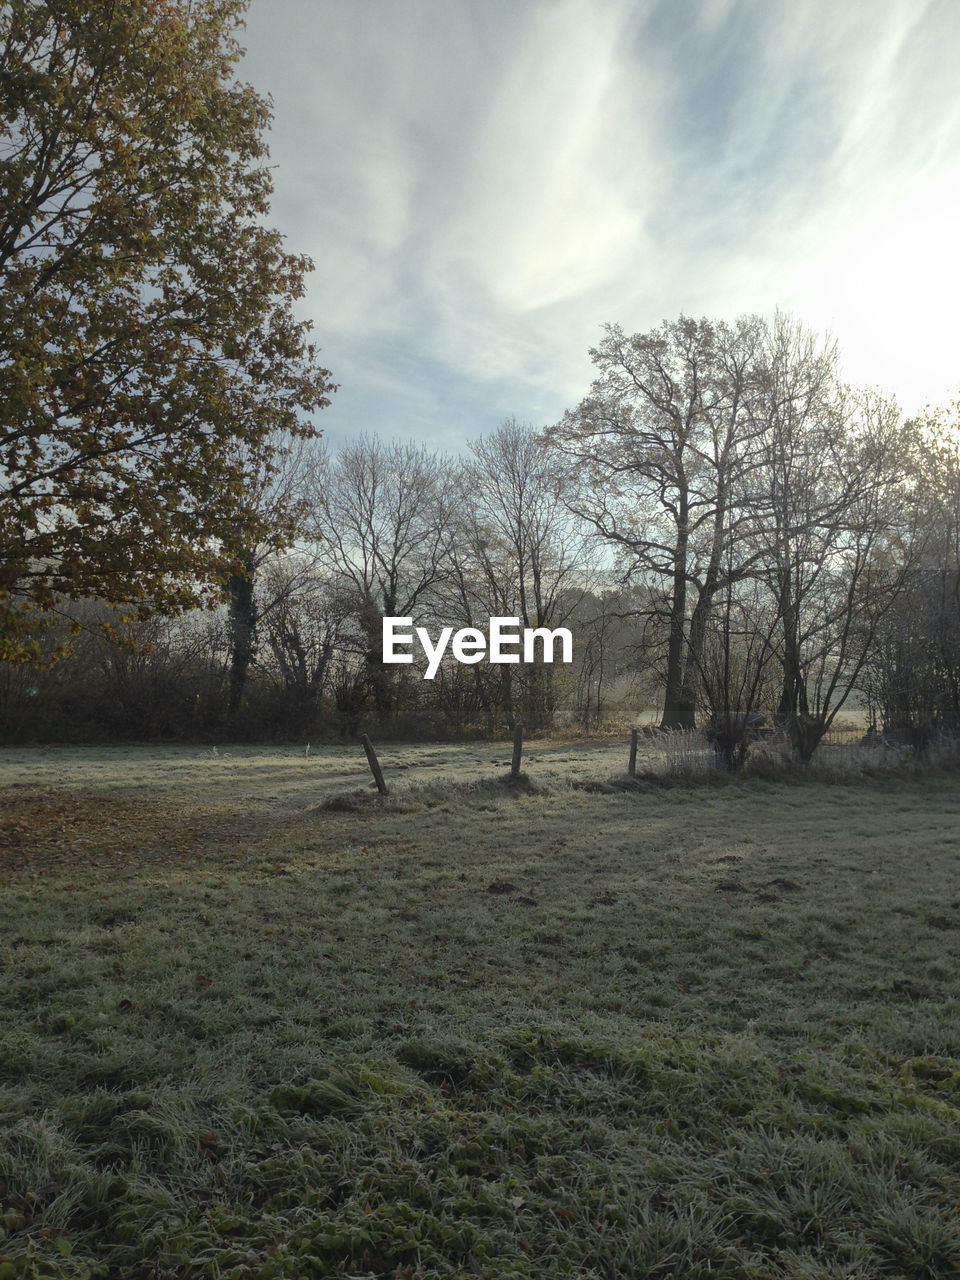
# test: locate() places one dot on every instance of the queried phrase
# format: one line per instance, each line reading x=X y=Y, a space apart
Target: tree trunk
x=506 y=695
x=804 y=731
x=241 y=628
x=676 y=713
x=380 y=678
x=693 y=663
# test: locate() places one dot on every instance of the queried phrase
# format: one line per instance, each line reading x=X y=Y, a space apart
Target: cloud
x=482 y=186
x=546 y=209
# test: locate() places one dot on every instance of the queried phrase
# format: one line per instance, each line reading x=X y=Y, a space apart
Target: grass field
x=555 y=1030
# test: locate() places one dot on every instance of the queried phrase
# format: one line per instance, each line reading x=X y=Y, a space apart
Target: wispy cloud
x=546 y=207
x=482 y=186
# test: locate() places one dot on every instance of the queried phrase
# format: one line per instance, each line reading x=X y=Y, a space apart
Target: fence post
x=374 y=764
x=517 y=749
x=632 y=766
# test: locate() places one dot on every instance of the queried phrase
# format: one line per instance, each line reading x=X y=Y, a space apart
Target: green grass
x=659 y=1031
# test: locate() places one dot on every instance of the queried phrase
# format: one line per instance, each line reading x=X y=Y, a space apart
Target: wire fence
x=688 y=755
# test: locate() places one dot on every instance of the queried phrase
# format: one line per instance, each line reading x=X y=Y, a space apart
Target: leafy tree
x=146 y=319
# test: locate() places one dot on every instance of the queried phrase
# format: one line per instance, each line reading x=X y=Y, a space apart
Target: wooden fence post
x=632 y=766
x=374 y=764
x=517 y=749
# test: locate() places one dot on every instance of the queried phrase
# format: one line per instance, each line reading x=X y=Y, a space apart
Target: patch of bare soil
x=53 y=831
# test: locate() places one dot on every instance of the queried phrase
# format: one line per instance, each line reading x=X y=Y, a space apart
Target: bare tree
x=304 y=621
x=276 y=493
x=829 y=519
x=662 y=442
x=912 y=675
x=737 y=663
x=380 y=517
x=524 y=553
x=607 y=652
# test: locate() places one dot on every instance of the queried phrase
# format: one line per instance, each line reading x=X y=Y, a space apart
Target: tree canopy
x=146 y=309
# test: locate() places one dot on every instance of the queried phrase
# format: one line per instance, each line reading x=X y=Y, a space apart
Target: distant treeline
x=723 y=525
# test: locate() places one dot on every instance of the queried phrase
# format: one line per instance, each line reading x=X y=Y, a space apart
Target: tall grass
x=685 y=754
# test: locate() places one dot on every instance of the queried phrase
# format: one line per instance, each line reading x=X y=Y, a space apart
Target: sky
x=484 y=184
